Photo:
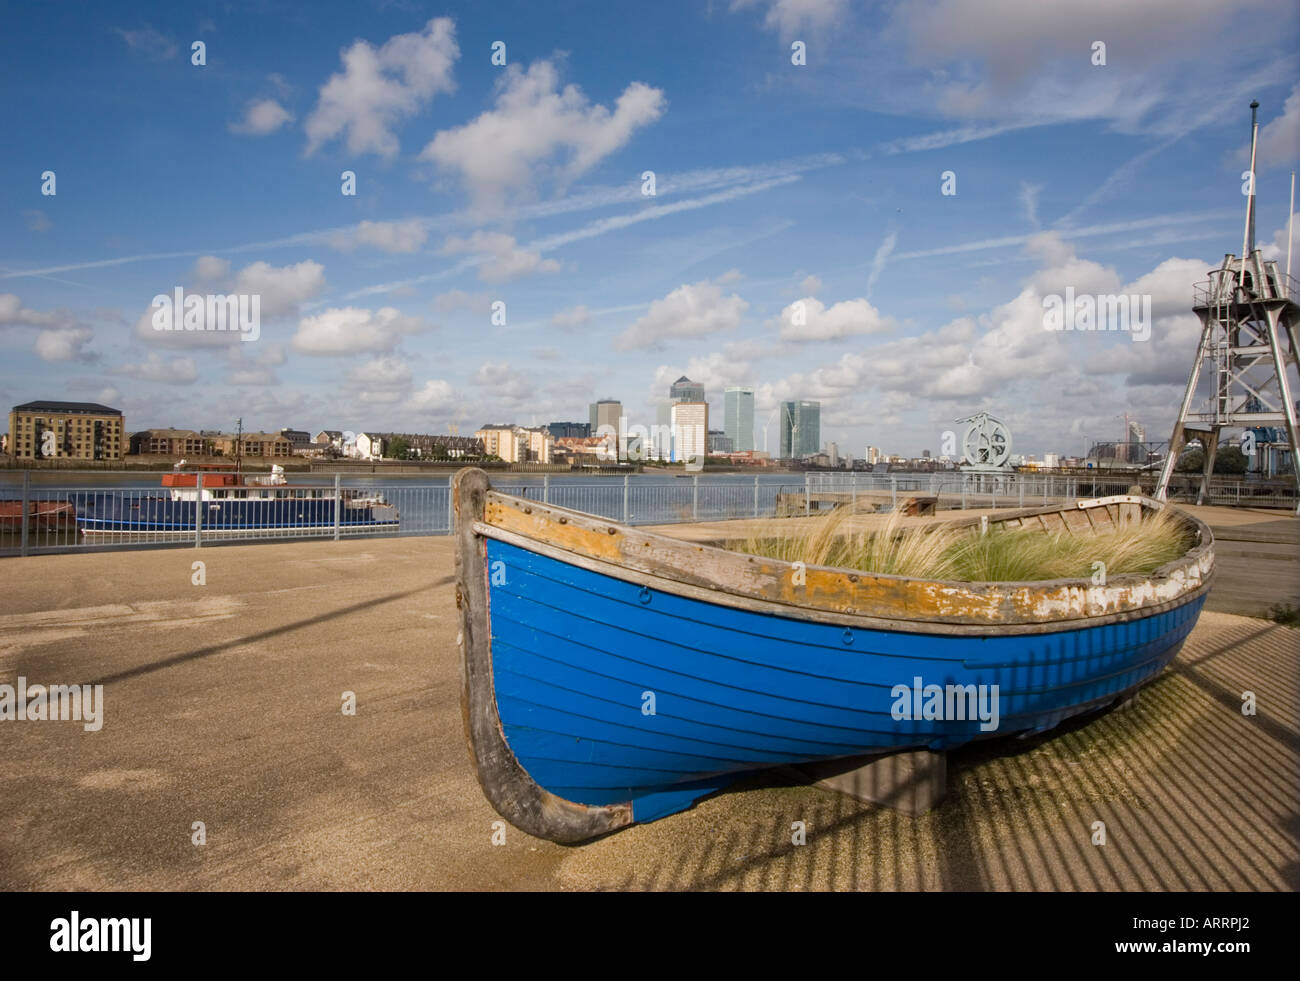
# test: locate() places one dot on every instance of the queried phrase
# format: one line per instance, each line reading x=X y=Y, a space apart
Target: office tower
x=690 y=422
x=685 y=390
x=605 y=412
x=738 y=418
x=800 y=429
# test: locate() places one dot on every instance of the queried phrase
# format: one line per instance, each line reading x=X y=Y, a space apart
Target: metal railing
x=972 y=490
x=43 y=512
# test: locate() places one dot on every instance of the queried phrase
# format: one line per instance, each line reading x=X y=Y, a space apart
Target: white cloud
x=1279 y=139
x=390 y=236
x=502 y=257
x=255 y=368
x=811 y=320
x=435 y=397
x=503 y=149
x=262 y=116
x=384 y=372
x=152 y=42
x=251 y=376
x=210 y=268
x=789 y=18
x=37 y=220
x=65 y=344
x=378 y=88
x=1276 y=248
x=811 y=286
x=351 y=330
x=504 y=382
x=1062 y=268
x=1170 y=286
x=178 y=371
x=1029 y=201
x=755 y=349
x=381 y=381
x=1012 y=64
x=282 y=288
x=14 y=314
x=571 y=317
x=477 y=303
x=883 y=252
x=692 y=310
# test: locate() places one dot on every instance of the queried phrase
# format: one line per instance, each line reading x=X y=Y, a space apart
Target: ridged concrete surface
x=223 y=705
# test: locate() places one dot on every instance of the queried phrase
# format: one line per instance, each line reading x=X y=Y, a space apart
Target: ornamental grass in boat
x=966 y=555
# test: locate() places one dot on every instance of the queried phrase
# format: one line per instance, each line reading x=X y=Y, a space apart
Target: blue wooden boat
x=611 y=675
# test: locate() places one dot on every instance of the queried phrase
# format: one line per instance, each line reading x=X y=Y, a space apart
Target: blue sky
x=780 y=188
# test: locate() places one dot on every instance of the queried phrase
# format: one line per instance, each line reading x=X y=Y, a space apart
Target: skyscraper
x=738 y=418
x=801 y=429
x=685 y=390
x=606 y=413
x=690 y=422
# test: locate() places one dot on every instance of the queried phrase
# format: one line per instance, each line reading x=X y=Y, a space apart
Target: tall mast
x=1248 y=235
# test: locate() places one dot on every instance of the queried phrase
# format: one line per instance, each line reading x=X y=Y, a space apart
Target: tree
x=398 y=448
x=1228 y=460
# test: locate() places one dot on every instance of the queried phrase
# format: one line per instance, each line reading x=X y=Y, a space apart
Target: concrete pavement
x=223 y=706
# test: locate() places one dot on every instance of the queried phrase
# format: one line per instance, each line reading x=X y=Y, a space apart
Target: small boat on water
x=611 y=675
x=230 y=505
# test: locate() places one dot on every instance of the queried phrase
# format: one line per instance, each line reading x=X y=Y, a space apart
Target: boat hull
x=159 y=517
x=607 y=694
x=610 y=692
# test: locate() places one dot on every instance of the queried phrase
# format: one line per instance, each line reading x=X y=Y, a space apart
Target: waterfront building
x=171 y=442
x=424 y=447
x=298 y=439
x=570 y=430
x=605 y=412
x=536 y=444
x=738 y=417
x=76 y=431
x=587 y=450
x=800 y=429
x=499 y=441
x=719 y=442
x=368 y=446
x=690 y=427
x=517 y=444
x=685 y=390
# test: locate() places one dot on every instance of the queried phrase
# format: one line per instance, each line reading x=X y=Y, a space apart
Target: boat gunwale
x=1122 y=594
